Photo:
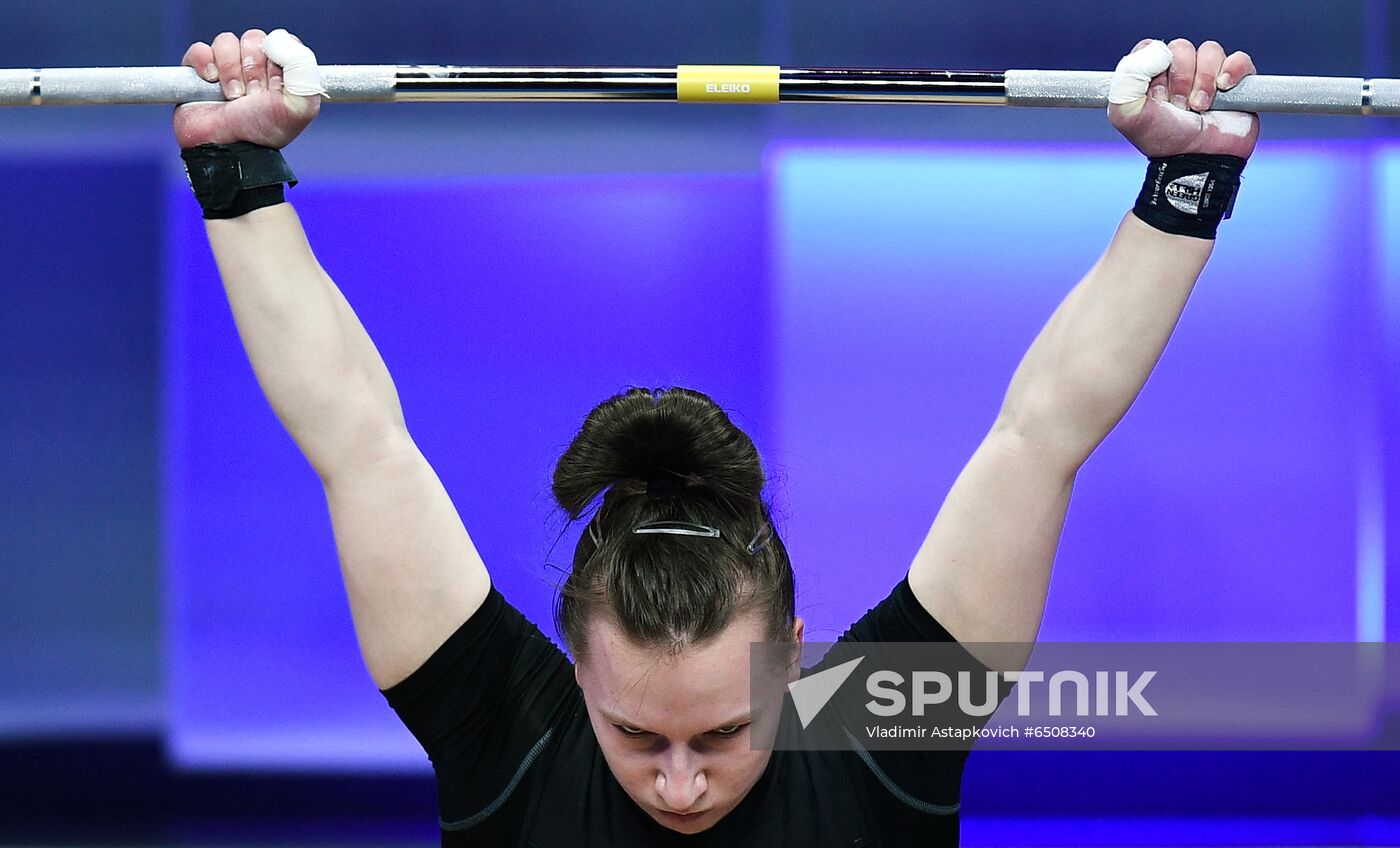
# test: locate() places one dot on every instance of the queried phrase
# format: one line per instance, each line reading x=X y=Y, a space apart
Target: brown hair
x=661 y=590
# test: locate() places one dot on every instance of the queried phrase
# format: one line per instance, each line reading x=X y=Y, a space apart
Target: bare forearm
x=1095 y=354
x=313 y=359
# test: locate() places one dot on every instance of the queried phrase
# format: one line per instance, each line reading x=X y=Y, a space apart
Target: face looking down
x=676 y=730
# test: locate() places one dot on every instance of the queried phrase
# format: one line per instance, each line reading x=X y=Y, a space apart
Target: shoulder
x=489 y=707
x=900 y=617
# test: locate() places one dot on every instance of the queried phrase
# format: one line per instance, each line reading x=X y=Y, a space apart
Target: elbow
x=356 y=443
x=348 y=429
x=1060 y=427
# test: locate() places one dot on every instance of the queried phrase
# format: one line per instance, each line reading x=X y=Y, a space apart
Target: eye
x=630 y=732
x=730 y=731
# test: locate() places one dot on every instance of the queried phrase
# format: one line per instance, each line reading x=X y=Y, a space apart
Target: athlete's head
x=659 y=621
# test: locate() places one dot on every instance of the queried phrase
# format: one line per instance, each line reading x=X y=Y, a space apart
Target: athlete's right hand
x=258 y=109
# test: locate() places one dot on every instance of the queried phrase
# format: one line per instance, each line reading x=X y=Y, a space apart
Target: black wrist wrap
x=234 y=179
x=1189 y=194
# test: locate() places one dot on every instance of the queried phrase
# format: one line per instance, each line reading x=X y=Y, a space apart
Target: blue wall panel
x=80 y=268
x=505 y=310
x=1384 y=599
x=909 y=283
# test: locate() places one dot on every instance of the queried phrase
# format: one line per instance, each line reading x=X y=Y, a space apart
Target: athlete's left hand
x=1161 y=93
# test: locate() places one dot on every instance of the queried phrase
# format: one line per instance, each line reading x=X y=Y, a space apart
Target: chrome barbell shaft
x=711 y=83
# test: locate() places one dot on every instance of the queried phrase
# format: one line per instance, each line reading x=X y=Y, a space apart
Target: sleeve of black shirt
x=482 y=703
x=898 y=618
x=929 y=776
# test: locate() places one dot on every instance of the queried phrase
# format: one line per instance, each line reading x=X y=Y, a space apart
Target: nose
x=681 y=781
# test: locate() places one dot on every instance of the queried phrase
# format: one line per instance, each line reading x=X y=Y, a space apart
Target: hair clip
x=761 y=538
x=677 y=528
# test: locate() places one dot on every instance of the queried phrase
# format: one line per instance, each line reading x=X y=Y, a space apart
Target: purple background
x=860 y=309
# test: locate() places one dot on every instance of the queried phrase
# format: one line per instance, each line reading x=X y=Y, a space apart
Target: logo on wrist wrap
x=1184 y=193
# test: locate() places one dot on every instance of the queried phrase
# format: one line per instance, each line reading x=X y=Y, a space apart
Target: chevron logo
x=811 y=693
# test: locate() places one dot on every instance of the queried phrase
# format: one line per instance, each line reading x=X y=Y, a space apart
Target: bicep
x=411 y=571
x=984 y=569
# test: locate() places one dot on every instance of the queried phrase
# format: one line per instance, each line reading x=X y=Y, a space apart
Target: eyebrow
x=743 y=719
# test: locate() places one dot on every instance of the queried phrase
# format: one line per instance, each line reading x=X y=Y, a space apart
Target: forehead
x=656 y=687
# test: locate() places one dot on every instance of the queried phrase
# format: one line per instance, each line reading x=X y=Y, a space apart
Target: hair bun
x=672 y=440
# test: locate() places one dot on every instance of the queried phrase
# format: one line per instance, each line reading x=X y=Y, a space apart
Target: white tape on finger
x=1135 y=72
x=300 y=75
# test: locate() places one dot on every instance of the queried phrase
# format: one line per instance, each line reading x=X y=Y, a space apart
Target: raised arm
x=411 y=572
x=984 y=568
